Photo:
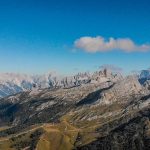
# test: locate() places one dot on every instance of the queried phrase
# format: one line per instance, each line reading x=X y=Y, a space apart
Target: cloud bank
x=100 y=44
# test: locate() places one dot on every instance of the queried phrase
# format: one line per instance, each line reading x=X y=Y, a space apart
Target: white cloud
x=100 y=44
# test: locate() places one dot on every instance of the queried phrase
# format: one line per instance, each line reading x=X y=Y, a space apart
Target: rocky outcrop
x=123 y=89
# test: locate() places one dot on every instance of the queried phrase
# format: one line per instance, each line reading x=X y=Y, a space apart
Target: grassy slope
x=72 y=131
x=59 y=136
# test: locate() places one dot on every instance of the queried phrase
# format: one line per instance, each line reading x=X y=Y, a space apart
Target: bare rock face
x=125 y=88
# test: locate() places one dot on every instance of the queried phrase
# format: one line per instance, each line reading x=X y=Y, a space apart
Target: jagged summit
x=11 y=83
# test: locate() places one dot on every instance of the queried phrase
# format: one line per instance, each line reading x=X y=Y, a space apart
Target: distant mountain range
x=11 y=83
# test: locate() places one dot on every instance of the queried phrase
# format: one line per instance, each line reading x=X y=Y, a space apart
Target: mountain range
x=89 y=111
x=11 y=83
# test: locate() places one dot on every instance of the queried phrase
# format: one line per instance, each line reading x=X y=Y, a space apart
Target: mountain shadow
x=92 y=97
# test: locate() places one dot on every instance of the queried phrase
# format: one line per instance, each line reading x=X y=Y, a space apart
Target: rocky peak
x=145 y=74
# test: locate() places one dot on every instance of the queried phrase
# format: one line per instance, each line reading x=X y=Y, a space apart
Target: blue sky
x=37 y=36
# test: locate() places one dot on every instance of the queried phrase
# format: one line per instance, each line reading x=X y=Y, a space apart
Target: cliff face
x=125 y=88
